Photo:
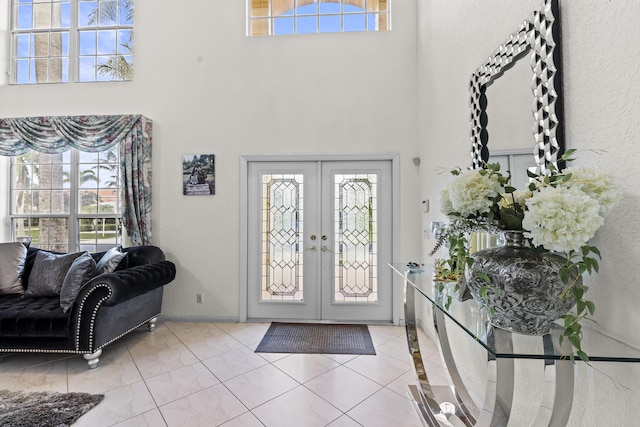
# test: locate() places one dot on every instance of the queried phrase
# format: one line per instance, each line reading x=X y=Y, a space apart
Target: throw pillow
x=12 y=259
x=48 y=273
x=110 y=260
x=81 y=270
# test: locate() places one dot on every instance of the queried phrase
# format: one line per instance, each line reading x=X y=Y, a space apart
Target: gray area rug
x=44 y=409
x=325 y=338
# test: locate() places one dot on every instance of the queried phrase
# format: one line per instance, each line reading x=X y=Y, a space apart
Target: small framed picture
x=198 y=175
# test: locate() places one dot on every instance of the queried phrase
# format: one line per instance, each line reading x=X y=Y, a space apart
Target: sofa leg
x=93 y=358
x=152 y=324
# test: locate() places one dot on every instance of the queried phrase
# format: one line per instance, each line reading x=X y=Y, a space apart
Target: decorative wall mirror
x=537 y=38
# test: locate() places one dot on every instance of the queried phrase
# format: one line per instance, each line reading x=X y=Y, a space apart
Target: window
x=55 y=41
x=67 y=202
x=273 y=17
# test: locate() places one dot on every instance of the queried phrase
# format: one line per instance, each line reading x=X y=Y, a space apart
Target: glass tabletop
x=472 y=318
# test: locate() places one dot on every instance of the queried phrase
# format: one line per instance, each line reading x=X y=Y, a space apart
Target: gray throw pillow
x=81 y=270
x=12 y=258
x=48 y=273
x=110 y=260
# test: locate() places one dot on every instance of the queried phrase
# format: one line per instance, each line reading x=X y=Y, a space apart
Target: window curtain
x=53 y=135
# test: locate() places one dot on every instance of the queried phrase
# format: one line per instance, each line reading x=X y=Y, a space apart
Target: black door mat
x=328 y=338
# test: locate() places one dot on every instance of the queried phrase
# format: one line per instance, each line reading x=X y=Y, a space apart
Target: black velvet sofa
x=107 y=307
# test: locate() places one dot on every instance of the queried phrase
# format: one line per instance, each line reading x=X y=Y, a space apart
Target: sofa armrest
x=123 y=285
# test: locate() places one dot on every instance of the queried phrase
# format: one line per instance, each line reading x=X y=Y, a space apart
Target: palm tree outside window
x=60 y=41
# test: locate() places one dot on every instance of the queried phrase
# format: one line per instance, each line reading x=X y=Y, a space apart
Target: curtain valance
x=54 y=135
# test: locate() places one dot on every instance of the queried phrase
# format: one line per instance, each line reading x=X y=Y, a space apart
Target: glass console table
x=453 y=405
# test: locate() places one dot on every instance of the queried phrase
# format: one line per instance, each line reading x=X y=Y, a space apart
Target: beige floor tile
x=118 y=406
x=260 y=385
x=383 y=334
x=190 y=332
x=151 y=418
x=341 y=358
x=180 y=382
x=211 y=346
x=397 y=348
x=270 y=357
x=304 y=367
x=384 y=409
x=10 y=362
x=381 y=368
x=401 y=384
x=344 y=421
x=245 y=420
x=298 y=407
x=233 y=363
x=248 y=334
x=162 y=355
x=51 y=376
x=343 y=388
x=115 y=370
x=209 y=407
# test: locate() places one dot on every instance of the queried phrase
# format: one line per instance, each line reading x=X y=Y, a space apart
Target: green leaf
x=575 y=341
x=591 y=307
x=568 y=319
x=578 y=293
x=565 y=275
x=511 y=222
x=567 y=155
x=484 y=277
x=583 y=356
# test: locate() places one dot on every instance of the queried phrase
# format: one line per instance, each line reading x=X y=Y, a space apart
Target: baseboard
x=227 y=319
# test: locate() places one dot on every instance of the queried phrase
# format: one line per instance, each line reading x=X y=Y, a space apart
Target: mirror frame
x=538 y=36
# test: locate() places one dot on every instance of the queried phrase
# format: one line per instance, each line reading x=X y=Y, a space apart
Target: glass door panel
x=356 y=221
x=282 y=253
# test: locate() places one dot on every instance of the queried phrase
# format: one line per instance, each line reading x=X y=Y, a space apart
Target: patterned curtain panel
x=135 y=155
x=54 y=135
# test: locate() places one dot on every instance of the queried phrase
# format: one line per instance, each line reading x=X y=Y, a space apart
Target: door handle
x=311 y=248
x=325 y=249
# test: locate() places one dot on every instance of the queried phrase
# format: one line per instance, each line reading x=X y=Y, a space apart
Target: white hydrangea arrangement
x=560 y=211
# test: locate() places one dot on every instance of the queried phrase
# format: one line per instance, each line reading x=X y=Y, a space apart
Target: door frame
x=394 y=158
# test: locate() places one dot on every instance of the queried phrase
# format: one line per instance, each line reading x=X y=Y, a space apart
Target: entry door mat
x=328 y=338
x=44 y=409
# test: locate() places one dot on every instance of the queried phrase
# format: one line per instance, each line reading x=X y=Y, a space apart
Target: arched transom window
x=273 y=17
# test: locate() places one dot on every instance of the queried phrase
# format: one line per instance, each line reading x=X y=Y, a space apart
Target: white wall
x=602 y=103
x=210 y=89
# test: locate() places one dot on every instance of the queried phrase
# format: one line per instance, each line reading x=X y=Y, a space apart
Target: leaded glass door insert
x=355 y=248
x=282 y=227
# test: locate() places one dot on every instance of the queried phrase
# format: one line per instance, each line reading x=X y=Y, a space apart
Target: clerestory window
x=60 y=41
x=273 y=17
x=67 y=202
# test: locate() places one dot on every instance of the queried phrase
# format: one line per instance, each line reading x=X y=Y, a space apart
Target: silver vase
x=524 y=292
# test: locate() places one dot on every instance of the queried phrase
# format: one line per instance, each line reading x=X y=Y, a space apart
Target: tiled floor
x=207 y=374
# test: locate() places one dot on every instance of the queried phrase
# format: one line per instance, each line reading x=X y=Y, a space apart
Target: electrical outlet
x=199 y=298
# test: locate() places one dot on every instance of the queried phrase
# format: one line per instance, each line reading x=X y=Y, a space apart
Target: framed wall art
x=198 y=175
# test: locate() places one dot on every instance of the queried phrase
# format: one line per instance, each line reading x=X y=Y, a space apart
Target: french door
x=319 y=238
